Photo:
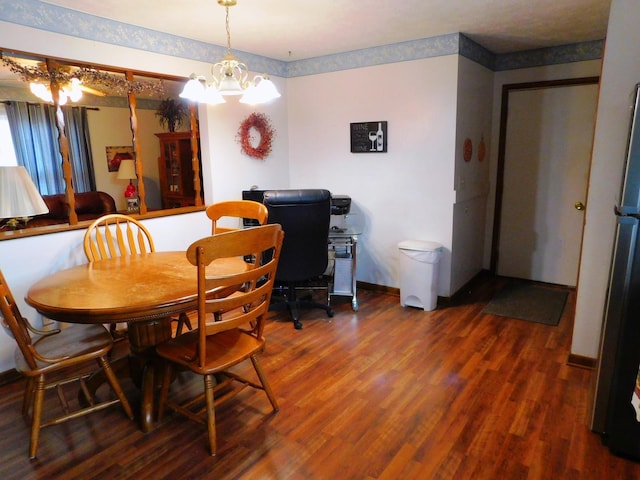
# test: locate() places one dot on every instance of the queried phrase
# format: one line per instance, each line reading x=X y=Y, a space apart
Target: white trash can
x=419 y=273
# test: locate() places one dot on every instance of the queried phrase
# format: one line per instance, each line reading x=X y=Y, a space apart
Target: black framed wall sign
x=369 y=137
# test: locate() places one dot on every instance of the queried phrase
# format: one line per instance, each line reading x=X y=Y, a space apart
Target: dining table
x=145 y=291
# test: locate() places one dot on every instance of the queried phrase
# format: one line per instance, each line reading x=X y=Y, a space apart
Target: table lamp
x=127 y=171
x=19 y=197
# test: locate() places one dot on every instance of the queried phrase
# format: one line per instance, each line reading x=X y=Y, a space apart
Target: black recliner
x=304 y=216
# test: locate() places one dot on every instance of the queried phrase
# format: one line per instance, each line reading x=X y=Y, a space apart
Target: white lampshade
x=193 y=90
x=230 y=85
x=19 y=197
x=263 y=90
x=127 y=170
x=212 y=96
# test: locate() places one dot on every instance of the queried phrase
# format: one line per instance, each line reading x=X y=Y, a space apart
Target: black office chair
x=304 y=216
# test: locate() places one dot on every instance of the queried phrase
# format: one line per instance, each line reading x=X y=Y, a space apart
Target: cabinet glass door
x=172 y=167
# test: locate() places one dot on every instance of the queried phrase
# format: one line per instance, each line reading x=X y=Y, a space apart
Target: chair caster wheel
x=297 y=325
x=330 y=313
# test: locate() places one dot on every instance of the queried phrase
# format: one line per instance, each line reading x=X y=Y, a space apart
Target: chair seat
x=223 y=350
x=79 y=342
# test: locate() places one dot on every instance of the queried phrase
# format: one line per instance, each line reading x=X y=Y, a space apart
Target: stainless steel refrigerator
x=614 y=415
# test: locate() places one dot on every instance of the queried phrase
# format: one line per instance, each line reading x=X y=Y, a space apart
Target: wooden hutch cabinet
x=176 y=170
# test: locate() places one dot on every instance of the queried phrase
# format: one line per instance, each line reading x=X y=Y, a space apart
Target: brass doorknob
x=578 y=206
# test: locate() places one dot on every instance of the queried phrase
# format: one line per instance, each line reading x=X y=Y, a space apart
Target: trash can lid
x=420 y=245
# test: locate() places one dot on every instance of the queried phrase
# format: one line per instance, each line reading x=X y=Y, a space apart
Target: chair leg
x=115 y=385
x=293 y=304
x=28 y=395
x=36 y=418
x=209 y=383
x=183 y=320
x=265 y=383
x=295 y=315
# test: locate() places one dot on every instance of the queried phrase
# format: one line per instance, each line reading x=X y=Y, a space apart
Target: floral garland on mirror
x=89 y=76
x=260 y=123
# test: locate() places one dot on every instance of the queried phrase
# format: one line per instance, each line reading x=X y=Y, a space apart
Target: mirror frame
x=63 y=145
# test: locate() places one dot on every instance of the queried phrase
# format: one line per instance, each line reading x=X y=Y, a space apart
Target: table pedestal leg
x=143 y=337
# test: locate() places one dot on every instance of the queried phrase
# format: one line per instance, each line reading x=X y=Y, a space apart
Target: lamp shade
x=193 y=90
x=19 y=197
x=263 y=90
x=127 y=170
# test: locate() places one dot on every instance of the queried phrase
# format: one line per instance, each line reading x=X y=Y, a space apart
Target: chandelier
x=71 y=91
x=229 y=78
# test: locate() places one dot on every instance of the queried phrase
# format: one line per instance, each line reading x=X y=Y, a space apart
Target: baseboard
x=378 y=288
x=581 y=362
x=9 y=376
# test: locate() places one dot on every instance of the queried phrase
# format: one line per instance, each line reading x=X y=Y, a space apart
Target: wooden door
x=547 y=153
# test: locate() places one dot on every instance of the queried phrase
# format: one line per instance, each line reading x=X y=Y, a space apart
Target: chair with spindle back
x=41 y=353
x=117 y=235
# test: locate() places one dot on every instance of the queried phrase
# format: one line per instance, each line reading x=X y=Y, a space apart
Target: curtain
x=35 y=136
x=77 y=124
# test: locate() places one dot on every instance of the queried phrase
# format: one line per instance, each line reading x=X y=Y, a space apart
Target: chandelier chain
x=228 y=31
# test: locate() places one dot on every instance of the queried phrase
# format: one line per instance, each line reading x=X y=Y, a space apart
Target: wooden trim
x=63 y=227
x=378 y=288
x=582 y=362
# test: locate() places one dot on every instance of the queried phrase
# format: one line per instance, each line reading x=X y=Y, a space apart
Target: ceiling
x=299 y=29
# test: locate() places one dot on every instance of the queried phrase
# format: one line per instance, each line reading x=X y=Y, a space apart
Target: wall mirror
x=95 y=117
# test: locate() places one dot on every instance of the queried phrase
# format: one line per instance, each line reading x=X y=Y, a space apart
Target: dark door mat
x=530 y=302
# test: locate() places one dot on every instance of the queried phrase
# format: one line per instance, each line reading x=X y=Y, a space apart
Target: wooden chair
x=214 y=347
x=117 y=235
x=42 y=353
x=236 y=208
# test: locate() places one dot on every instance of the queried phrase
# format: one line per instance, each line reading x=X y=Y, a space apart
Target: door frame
x=502 y=141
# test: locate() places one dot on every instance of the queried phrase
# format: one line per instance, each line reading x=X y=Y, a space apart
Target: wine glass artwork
x=373 y=136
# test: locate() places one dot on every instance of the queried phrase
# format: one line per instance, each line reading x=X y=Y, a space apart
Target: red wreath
x=260 y=122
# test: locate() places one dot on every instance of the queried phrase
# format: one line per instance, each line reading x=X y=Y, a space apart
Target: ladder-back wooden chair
x=117 y=235
x=237 y=335
x=238 y=209
x=64 y=353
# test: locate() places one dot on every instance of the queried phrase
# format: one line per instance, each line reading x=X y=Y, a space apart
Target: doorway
x=546 y=136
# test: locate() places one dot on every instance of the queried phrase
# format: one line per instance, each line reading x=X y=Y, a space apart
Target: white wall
x=406 y=193
x=620 y=73
x=228 y=171
x=474 y=103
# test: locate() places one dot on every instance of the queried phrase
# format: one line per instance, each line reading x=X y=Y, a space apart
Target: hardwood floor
x=384 y=393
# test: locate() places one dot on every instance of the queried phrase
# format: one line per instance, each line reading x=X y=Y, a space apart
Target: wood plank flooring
x=382 y=393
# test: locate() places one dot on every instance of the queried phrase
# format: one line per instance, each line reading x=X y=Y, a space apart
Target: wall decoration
x=256 y=123
x=369 y=137
x=467 y=151
x=116 y=154
x=482 y=149
x=116 y=84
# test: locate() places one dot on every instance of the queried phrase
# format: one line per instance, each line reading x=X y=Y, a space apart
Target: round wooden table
x=142 y=290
